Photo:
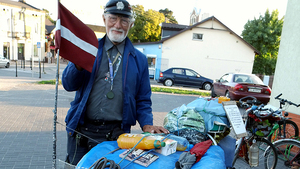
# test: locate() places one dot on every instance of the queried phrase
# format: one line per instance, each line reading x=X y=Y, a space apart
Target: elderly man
x=115 y=95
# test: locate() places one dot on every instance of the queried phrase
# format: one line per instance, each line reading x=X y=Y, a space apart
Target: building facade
x=22 y=31
x=208 y=47
x=287 y=74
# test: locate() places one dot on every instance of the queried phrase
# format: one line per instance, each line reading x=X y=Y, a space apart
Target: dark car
x=184 y=77
x=238 y=85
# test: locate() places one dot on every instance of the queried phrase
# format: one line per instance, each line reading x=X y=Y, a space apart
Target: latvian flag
x=76 y=41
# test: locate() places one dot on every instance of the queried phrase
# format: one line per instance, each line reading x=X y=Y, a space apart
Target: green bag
x=184 y=117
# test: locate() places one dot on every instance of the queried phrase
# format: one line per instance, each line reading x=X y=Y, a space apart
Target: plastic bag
x=183 y=117
x=210 y=110
x=192 y=135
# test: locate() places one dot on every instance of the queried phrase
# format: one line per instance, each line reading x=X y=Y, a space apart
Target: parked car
x=184 y=77
x=4 y=62
x=238 y=85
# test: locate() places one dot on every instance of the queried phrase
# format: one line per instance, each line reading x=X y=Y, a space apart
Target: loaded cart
x=202 y=122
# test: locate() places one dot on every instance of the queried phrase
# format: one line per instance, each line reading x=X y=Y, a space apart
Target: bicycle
x=288 y=153
x=267 y=158
x=287 y=128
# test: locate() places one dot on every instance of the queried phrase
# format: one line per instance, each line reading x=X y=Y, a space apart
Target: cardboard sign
x=235 y=118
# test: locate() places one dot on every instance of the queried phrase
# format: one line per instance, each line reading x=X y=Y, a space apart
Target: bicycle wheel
x=291 y=130
x=267 y=158
x=288 y=151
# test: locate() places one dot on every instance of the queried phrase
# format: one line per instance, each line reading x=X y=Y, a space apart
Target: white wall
x=220 y=52
x=287 y=74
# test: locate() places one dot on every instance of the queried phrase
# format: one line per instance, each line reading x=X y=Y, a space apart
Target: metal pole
x=39 y=68
x=16 y=68
x=44 y=65
x=55 y=111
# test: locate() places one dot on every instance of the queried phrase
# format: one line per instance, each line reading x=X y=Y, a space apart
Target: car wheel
x=7 y=65
x=227 y=94
x=206 y=86
x=168 y=82
x=212 y=93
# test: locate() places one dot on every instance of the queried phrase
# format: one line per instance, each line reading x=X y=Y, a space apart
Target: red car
x=238 y=85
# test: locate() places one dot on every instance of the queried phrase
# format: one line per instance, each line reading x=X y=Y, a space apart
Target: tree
x=169 y=18
x=146 y=26
x=48 y=16
x=264 y=34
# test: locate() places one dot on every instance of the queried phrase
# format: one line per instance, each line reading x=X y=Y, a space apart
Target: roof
x=97 y=28
x=18 y=4
x=49 y=29
x=172 y=26
x=195 y=25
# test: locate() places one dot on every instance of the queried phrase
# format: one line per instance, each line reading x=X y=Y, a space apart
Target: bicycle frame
x=287 y=151
x=246 y=140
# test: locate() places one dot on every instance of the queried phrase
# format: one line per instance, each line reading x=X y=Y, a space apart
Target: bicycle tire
x=288 y=152
x=267 y=158
x=291 y=131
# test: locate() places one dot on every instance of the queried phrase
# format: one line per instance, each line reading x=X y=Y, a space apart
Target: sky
x=233 y=13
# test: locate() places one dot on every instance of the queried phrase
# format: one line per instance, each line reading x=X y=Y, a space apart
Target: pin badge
x=120 y=5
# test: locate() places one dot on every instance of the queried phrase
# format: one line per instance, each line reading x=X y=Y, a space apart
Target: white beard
x=116 y=37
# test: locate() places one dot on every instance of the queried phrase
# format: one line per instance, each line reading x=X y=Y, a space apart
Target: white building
x=22 y=31
x=287 y=75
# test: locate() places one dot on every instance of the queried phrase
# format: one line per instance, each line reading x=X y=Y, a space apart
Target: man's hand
x=155 y=129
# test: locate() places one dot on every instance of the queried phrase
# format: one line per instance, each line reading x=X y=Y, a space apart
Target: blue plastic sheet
x=228 y=145
x=213 y=158
x=210 y=110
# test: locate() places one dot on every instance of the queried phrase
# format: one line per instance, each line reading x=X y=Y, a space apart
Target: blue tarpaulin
x=210 y=110
x=213 y=158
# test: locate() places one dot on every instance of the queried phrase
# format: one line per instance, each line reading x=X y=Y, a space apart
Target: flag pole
x=55 y=108
x=55 y=112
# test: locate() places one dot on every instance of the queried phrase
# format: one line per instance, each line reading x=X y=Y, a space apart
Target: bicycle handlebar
x=282 y=101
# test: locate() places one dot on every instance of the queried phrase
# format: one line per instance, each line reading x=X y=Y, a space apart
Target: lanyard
x=110 y=64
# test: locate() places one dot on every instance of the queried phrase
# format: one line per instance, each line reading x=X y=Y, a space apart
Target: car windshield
x=238 y=78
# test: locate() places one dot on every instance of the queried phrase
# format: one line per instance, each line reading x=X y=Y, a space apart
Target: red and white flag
x=76 y=41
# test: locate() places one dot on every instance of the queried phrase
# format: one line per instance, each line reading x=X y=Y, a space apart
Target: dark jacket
x=135 y=82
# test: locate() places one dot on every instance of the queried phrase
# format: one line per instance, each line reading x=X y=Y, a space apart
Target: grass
x=179 y=91
x=154 y=89
x=53 y=82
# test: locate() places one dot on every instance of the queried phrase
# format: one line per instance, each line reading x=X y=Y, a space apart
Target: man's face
x=117 y=27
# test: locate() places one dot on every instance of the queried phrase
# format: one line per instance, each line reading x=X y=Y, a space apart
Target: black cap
x=121 y=7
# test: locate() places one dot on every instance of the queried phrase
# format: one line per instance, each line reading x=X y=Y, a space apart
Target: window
x=224 y=78
x=190 y=73
x=35 y=50
x=193 y=20
x=178 y=71
x=197 y=36
x=151 y=62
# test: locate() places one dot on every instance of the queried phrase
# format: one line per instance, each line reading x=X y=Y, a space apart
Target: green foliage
x=169 y=18
x=48 y=16
x=264 y=34
x=52 y=82
x=146 y=26
x=179 y=91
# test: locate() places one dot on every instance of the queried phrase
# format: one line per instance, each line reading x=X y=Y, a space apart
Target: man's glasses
x=114 y=18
